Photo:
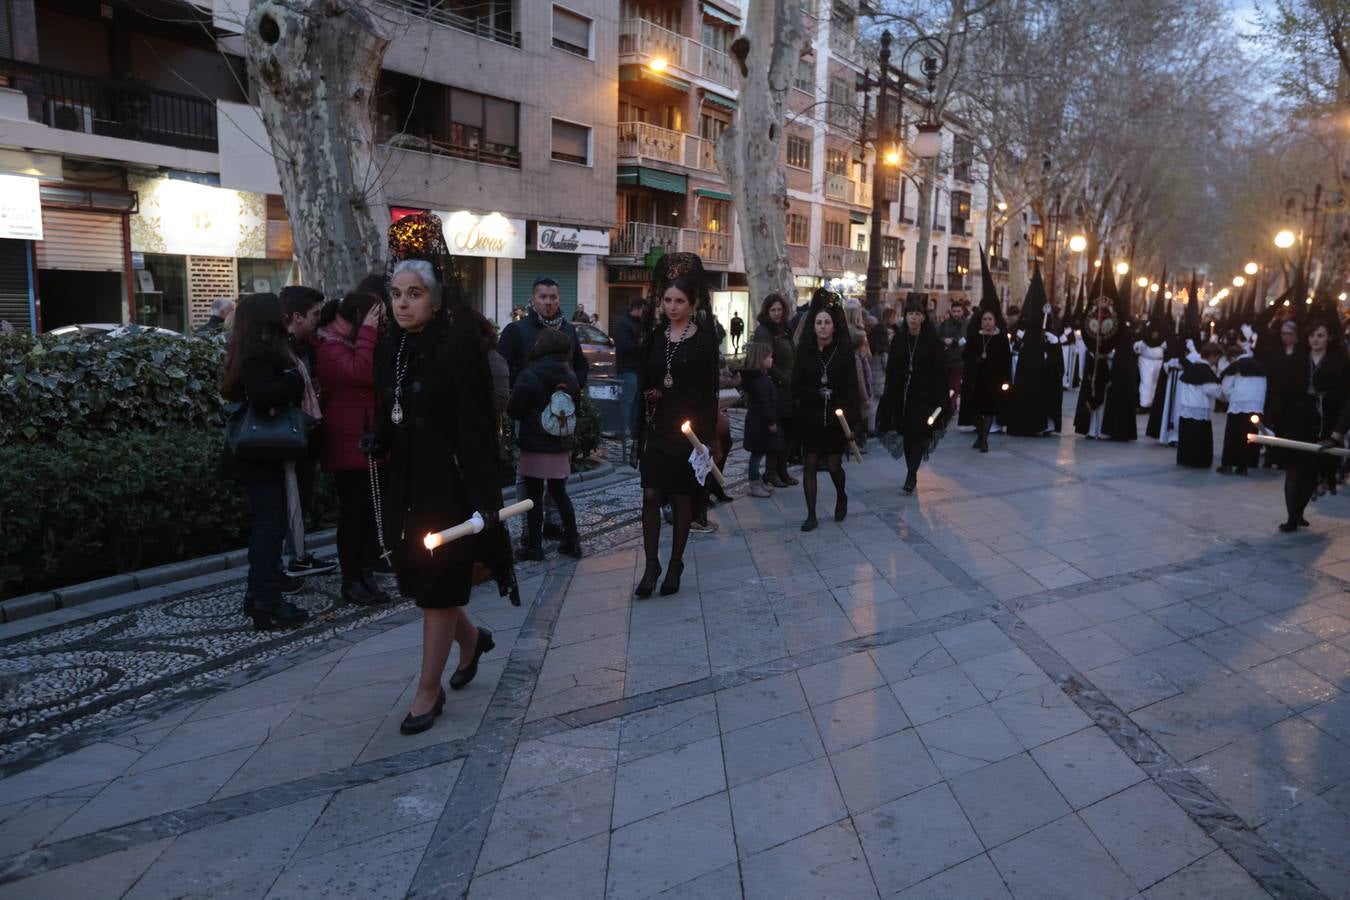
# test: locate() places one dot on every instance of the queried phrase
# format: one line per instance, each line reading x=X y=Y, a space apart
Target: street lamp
x=1077 y=243
x=1002 y=207
x=1122 y=268
x=1284 y=239
x=892 y=157
x=658 y=64
x=1153 y=288
x=1142 y=282
x=1251 y=268
x=1238 y=281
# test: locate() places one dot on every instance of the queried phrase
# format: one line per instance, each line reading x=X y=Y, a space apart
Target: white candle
x=848 y=434
x=473 y=525
x=1271 y=441
x=698 y=445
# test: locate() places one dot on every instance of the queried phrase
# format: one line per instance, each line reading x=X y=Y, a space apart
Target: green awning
x=719 y=99
x=633 y=73
x=710 y=10
x=712 y=194
x=857 y=218
x=653 y=178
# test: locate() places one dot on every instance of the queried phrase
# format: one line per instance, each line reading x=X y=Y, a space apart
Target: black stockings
x=834 y=464
x=1300 y=482
x=682 y=506
x=914 y=450
x=982 y=426
x=534 y=519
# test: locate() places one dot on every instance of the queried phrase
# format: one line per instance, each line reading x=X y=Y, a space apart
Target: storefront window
x=161 y=292
x=265 y=276
x=473 y=277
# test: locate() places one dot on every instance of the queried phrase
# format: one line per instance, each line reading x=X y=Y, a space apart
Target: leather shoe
x=418 y=724
x=462 y=677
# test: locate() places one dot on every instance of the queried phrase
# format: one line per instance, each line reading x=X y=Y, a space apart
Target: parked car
x=111 y=330
x=599 y=350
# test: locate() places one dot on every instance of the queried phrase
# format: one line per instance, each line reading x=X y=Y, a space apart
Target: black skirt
x=1236 y=451
x=665 y=467
x=438 y=579
x=826 y=440
x=1195 y=443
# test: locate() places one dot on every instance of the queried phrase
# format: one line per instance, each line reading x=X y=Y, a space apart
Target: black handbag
x=276 y=434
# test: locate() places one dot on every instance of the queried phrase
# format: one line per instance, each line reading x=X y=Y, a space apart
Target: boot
x=760 y=489
x=372 y=585
x=784 y=476
x=354 y=591
x=911 y=481
x=281 y=614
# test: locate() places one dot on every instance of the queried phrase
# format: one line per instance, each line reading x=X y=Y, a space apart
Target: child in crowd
x=762 y=435
x=1197 y=390
x=1244 y=387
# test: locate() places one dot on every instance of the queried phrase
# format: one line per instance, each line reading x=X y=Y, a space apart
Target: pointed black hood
x=1190 y=322
x=989 y=299
x=1033 y=307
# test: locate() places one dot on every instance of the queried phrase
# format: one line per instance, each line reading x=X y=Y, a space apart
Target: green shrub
x=84 y=508
x=102 y=386
x=587 y=436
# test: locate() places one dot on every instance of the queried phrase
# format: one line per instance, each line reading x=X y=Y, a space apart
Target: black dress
x=692 y=398
x=916 y=385
x=442 y=456
x=817 y=427
x=988 y=368
x=1313 y=409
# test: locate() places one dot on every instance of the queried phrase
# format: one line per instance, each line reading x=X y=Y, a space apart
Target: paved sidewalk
x=1062 y=669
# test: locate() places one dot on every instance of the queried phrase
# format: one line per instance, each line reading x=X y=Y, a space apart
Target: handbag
x=275 y=434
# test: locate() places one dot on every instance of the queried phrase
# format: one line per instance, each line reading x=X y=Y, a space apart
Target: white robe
x=1150 y=367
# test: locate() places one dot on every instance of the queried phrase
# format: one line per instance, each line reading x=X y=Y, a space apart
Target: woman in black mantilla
x=435 y=420
x=988 y=359
x=916 y=386
x=1322 y=374
x=825 y=378
x=677 y=383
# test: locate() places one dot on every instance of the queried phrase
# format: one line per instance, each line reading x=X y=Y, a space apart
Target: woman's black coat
x=987 y=376
x=907 y=405
x=268 y=378
x=761 y=411
x=534 y=388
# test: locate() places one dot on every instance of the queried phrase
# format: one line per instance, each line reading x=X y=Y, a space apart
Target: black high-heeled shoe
x=648 y=582
x=461 y=678
x=910 y=483
x=418 y=724
x=841 y=507
x=1287 y=527
x=672 y=583
x=279 y=615
x=810 y=523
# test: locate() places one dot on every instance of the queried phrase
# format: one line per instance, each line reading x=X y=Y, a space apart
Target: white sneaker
x=760 y=489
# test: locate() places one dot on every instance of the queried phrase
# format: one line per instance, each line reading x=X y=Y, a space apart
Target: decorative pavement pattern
x=1062 y=669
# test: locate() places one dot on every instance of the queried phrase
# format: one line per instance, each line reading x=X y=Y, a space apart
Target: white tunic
x=1150 y=367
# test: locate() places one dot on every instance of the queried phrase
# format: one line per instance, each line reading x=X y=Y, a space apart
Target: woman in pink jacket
x=344 y=363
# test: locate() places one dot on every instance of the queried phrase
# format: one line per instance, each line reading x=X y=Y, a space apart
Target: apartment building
x=138 y=185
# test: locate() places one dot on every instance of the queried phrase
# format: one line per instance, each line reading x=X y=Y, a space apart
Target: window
x=710 y=127
x=890 y=253
x=434 y=118
x=963 y=153
x=798 y=229
x=798 y=152
x=835 y=234
x=806 y=75
x=571 y=142
x=836 y=161
x=571 y=32
x=714 y=215
x=717 y=36
x=890 y=187
x=960 y=211
x=958 y=267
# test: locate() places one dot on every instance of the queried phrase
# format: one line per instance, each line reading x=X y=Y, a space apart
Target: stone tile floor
x=1064 y=669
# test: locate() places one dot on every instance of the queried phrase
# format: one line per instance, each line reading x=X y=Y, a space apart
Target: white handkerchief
x=702 y=463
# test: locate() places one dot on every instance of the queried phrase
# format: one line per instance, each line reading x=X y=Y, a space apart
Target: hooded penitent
x=1032 y=407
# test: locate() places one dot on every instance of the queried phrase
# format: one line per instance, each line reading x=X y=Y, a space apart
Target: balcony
x=641 y=41
x=844 y=44
x=640 y=140
x=958 y=282
x=498 y=27
x=113 y=107
x=841 y=187
x=960 y=228
x=638 y=238
x=471 y=149
x=712 y=246
x=842 y=259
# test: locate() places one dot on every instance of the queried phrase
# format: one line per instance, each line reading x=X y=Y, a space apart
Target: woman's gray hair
x=423 y=270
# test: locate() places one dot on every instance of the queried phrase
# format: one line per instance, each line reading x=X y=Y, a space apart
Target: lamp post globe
x=1142 y=282
x=1122 y=268
x=1077 y=243
x=1284 y=239
x=1239 y=281
x=1251 y=268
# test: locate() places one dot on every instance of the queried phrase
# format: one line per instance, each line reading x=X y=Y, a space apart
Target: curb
x=73 y=595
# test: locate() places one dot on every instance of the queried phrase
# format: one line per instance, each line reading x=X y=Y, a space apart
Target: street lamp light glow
x=1142 y=282
x=1096 y=264
x=1251 y=268
x=1077 y=243
x=658 y=64
x=893 y=157
x=1122 y=268
x=1284 y=239
x=1153 y=288
x=1002 y=207
x=1238 y=281
x=1341 y=297
x=1168 y=295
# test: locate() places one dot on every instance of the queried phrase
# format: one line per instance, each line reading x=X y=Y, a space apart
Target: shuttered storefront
x=14 y=307
x=80 y=241
x=561 y=267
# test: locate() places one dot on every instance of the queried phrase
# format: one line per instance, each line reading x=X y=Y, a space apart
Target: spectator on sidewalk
x=222 y=312
x=301 y=307
x=773 y=329
x=627 y=361
x=763 y=439
x=544 y=405
x=261 y=369
x=344 y=361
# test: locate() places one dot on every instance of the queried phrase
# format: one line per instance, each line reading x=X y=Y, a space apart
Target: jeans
x=306 y=470
x=356 y=539
x=267 y=505
x=755 y=460
x=628 y=402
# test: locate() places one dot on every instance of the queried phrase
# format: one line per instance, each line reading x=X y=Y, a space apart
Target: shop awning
x=634 y=73
x=723 y=15
x=857 y=218
x=719 y=99
x=712 y=194
x=653 y=178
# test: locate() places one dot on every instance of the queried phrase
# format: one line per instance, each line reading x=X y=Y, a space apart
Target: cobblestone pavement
x=1062 y=669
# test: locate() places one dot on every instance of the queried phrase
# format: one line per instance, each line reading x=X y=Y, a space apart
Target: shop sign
x=563 y=239
x=629 y=275
x=190 y=219
x=20 y=208
x=492 y=235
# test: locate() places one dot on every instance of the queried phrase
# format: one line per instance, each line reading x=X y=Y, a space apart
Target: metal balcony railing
x=641 y=140
x=113 y=107
x=844 y=44
x=842 y=259
x=498 y=27
x=637 y=238
x=441 y=145
x=712 y=246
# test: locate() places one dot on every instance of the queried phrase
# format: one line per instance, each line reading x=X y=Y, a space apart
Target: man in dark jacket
x=627 y=361
x=545 y=312
x=951 y=332
x=300 y=305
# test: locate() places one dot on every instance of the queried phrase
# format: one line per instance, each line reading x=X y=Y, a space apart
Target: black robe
x=913 y=392
x=1037 y=389
x=988 y=367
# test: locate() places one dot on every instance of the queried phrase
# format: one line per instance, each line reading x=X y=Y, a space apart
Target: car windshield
x=589 y=334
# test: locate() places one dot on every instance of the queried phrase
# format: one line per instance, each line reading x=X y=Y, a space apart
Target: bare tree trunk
x=925 y=217
x=767 y=52
x=316 y=64
x=1016 y=231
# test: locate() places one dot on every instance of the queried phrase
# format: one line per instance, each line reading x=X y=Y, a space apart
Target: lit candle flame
x=687 y=428
x=1256 y=420
x=432 y=541
x=1005 y=387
